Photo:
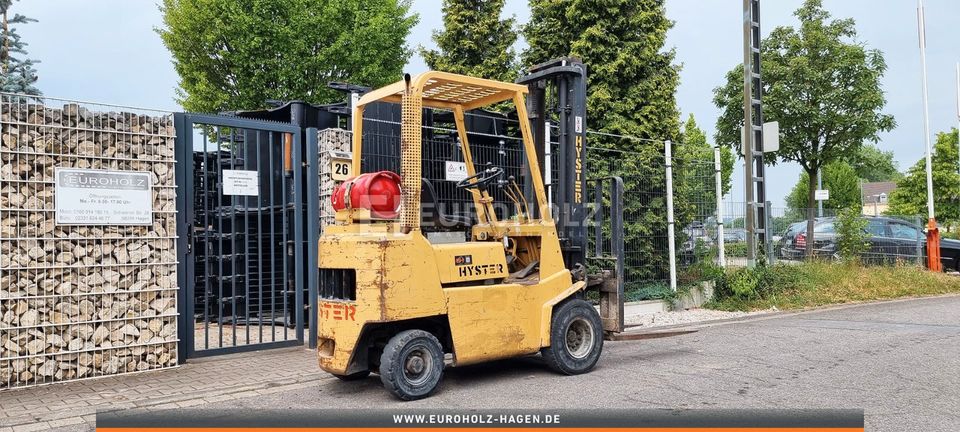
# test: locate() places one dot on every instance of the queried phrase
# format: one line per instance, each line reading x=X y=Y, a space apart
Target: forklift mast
x=564 y=80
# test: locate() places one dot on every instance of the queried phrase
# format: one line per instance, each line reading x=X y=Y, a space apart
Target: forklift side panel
x=491 y=322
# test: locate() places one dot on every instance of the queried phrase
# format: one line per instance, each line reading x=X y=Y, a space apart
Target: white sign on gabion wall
x=92 y=297
x=102 y=197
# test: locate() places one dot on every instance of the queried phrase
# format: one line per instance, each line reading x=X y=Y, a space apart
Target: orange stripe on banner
x=475 y=429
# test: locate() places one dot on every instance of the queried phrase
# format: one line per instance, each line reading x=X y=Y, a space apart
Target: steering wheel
x=481 y=179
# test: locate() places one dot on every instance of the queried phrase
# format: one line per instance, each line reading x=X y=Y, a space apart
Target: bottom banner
x=472 y=420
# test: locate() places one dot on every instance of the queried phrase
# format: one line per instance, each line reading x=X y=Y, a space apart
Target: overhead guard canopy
x=447 y=90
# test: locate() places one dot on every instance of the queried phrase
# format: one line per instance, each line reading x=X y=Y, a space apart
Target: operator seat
x=433 y=218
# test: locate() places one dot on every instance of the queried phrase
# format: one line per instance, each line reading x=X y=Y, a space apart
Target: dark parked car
x=889 y=239
x=735 y=235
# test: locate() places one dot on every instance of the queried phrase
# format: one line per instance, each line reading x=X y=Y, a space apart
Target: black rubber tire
x=394 y=370
x=354 y=376
x=569 y=357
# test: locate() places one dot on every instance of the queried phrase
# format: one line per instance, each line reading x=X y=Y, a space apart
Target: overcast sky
x=106 y=51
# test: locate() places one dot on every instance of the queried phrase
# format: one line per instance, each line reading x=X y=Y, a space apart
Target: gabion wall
x=330 y=140
x=83 y=301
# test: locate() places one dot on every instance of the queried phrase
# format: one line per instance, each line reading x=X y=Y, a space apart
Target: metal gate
x=241 y=228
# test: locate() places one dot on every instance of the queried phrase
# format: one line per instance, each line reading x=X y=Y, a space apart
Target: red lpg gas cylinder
x=378 y=192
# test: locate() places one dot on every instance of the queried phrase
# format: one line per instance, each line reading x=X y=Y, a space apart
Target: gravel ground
x=661 y=319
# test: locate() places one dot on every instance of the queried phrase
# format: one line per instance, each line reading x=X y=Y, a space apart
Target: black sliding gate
x=242 y=234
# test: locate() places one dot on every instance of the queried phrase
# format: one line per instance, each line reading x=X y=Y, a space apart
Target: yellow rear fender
x=547 y=314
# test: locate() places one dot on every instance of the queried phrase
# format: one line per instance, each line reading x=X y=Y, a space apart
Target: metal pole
x=933 y=234
x=547 y=165
x=820 y=186
x=671 y=235
x=958 y=115
x=926 y=109
x=719 y=192
x=747 y=144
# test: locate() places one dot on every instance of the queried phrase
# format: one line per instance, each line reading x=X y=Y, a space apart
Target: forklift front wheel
x=411 y=364
x=576 y=338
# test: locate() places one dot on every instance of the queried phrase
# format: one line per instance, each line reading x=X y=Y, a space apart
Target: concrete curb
x=777 y=314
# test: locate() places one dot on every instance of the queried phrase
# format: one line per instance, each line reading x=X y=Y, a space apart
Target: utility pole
x=757 y=213
x=933 y=234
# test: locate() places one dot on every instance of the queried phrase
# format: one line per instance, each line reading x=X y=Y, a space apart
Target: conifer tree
x=17 y=74
x=474 y=41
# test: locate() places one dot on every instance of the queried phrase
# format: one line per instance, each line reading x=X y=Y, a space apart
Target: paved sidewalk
x=73 y=406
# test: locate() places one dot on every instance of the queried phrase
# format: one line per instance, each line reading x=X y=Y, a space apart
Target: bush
x=738 y=250
x=851 y=234
x=761 y=282
x=817 y=283
x=744 y=282
x=653 y=291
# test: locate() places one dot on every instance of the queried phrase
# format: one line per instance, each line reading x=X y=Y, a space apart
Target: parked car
x=889 y=239
x=734 y=235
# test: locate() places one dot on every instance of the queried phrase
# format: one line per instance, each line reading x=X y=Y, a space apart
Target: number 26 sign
x=341 y=165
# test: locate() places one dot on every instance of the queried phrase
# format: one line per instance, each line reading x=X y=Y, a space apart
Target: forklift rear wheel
x=411 y=364
x=354 y=376
x=576 y=338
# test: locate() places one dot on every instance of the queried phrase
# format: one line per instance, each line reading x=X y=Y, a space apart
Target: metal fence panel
x=890 y=239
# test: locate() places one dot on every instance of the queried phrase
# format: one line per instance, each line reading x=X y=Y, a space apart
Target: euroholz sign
x=103 y=197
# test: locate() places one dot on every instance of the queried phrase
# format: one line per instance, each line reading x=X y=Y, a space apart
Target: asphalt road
x=899 y=361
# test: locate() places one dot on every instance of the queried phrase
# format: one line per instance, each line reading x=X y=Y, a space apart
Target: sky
x=106 y=51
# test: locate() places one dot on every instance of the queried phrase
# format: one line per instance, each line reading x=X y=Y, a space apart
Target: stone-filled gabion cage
x=82 y=301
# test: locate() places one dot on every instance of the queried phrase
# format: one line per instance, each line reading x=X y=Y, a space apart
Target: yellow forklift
x=395 y=304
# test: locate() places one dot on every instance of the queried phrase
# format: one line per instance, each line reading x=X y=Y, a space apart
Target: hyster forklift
x=396 y=304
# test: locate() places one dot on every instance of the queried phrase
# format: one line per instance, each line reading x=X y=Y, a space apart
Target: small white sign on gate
x=241 y=182
x=821 y=194
x=102 y=197
x=456 y=171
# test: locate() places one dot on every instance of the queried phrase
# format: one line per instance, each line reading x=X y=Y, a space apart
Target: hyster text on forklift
x=395 y=303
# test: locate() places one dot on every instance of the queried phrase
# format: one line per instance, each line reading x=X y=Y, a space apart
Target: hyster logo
x=481 y=270
x=338 y=311
x=578 y=185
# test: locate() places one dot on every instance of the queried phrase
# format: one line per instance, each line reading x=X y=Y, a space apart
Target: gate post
x=312 y=165
x=183 y=151
x=298 y=233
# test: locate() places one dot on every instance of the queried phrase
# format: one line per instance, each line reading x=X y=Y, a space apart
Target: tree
x=822 y=85
x=874 y=165
x=695 y=147
x=237 y=54
x=18 y=74
x=910 y=197
x=633 y=81
x=852 y=239
x=695 y=174
x=632 y=78
x=839 y=178
x=475 y=41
